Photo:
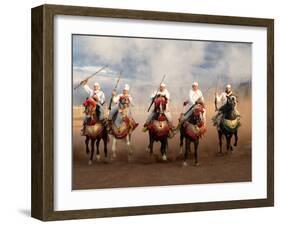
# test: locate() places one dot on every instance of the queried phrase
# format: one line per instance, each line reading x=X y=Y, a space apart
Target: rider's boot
x=144 y=129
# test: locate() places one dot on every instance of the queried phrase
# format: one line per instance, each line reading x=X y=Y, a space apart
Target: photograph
x=150 y=111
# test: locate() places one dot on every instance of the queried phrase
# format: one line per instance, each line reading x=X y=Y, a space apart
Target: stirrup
x=144 y=129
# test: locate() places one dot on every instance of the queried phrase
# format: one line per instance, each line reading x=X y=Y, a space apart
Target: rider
x=222 y=99
x=98 y=95
x=164 y=93
x=195 y=97
x=122 y=101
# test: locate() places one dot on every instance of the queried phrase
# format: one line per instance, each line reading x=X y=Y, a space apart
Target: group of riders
x=124 y=101
x=191 y=123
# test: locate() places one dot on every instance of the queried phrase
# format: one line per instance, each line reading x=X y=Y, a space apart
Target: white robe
x=192 y=98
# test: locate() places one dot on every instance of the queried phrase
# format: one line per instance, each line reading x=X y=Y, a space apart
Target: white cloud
x=147 y=60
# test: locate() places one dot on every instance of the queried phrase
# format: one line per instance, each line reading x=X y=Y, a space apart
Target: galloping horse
x=95 y=130
x=122 y=127
x=159 y=128
x=229 y=124
x=192 y=130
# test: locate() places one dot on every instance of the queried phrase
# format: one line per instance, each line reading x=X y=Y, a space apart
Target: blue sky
x=143 y=62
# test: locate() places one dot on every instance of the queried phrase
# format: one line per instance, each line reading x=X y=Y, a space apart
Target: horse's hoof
x=164 y=158
x=196 y=164
x=184 y=164
x=98 y=157
x=90 y=162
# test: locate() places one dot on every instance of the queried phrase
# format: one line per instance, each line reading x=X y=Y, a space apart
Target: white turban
x=228 y=86
x=127 y=87
x=163 y=84
x=195 y=84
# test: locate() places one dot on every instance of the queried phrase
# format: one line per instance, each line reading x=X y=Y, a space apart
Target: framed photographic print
x=141 y=112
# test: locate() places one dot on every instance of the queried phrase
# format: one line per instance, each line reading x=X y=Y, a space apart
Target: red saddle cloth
x=159 y=126
x=92 y=122
x=194 y=131
x=90 y=101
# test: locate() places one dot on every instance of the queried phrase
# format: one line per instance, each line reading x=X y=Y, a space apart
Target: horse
x=121 y=129
x=192 y=130
x=159 y=128
x=229 y=124
x=95 y=130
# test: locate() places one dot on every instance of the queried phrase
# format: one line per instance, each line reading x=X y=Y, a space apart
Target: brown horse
x=95 y=130
x=192 y=130
x=159 y=128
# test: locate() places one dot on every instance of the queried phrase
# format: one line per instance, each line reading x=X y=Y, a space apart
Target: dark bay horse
x=95 y=130
x=159 y=128
x=229 y=124
x=192 y=130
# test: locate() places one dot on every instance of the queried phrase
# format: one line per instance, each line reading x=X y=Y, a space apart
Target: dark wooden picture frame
x=42 y=203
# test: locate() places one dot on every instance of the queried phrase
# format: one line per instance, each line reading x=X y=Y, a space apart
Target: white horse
x=121 y=129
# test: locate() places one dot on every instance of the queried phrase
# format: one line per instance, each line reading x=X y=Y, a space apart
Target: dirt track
x=145 y=171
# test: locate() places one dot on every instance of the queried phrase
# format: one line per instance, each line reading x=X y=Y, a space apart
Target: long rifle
x=216 y=101
x=156 y=94
x=83 y=82
x=115 y=88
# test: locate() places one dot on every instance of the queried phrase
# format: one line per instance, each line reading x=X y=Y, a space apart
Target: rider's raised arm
x=88 y=90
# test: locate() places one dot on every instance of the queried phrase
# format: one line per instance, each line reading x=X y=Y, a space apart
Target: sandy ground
x=146 y=171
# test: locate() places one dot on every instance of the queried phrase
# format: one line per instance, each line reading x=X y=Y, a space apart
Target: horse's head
x=124 y=102
x=196 y=118
x=160 y=103
x=231 y=102
x=90 y=106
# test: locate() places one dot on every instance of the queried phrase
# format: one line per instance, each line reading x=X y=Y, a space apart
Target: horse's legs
x=150 y=144
x=181 y=142
x=92 y=151
x=163 y=149
x=98 y=150
x=114 y=147
x=196 y=153
x=187 y=151
x=236 y=138
x=228 y=140
x=128 y=143
x=105 y=145
x=220 y=141
x=87 y=144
